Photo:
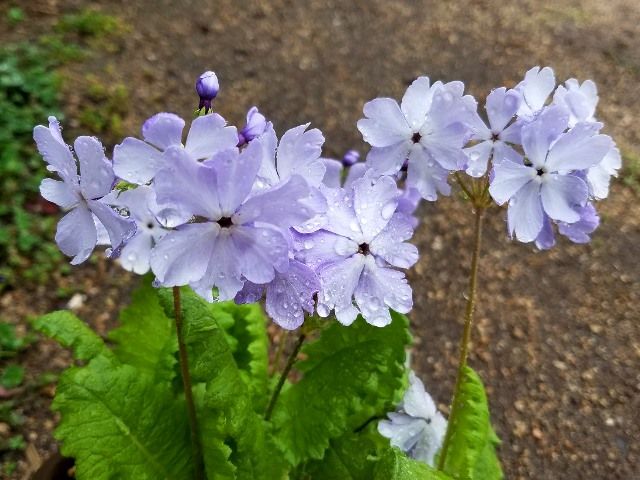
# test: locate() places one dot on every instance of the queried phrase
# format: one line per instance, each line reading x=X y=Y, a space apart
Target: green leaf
x=350 y=375
x=395 y=465
x=488 y=466
x=226 y=412
x=12 y=376
x=71 y=332
x=472 y=446
x=350 y=457
x=118 y=422
x=146 y=338
x=251 y=349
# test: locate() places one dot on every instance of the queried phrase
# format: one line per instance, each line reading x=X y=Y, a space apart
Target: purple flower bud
x=350 y=158
x=256 y=126
x=207 y=87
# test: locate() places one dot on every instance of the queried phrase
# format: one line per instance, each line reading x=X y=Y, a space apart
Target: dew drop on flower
x=388 y=210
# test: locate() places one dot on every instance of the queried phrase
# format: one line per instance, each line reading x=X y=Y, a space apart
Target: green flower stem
x=466 y=334
x=188 y=393
x=283 y=377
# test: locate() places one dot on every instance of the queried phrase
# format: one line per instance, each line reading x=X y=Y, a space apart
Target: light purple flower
x=429 y=129
x=256 y=125
x=355 y=253
x=535 y=88
x=297 y=153
x=335 y=176
x=151 y=222
x=288 y=296
x=599 y=176
x=493 y=141
x=580 y=231
x=81 y=195
x=543 y=182
x=577 y=232
x=207 y=87
x=138 y=161
x=580 y=99
x=237 y=236
x=417 y=428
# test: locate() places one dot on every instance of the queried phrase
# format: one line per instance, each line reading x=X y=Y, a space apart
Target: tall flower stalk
x=480 y=201
x=196 y=444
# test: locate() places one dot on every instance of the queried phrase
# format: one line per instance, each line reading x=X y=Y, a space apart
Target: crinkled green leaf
x=217 y=453
x=350 y=457
x=146 y=337
x=118 y=422
x=473 y=438
x=350 y=375
x=488 y=466
x=251 y=351
x=227 y=405
x=395 y=465
x=71 y=332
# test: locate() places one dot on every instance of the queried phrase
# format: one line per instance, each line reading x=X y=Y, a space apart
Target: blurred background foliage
x=32 y=87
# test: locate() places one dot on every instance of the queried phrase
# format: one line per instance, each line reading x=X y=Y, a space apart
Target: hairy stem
x=283 y=377
x=276 y=360
x=466 y=333
x=188 y=393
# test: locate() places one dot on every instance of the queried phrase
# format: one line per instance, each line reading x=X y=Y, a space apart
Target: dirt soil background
x=557 y=337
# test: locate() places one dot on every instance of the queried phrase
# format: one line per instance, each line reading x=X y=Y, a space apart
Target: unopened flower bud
x=207 y=87
x=256 y=126
x=350 y=158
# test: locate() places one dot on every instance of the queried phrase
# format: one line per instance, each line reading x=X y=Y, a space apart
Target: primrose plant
x=221 y=221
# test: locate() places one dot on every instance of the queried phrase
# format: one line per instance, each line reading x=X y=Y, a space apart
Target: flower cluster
x=238 y=214
x=551 y=162
x=242 y=214
x=542 y=151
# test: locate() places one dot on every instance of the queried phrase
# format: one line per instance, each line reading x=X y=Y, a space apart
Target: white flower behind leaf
x=417 y=427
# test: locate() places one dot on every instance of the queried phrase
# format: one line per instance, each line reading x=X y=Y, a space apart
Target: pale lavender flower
x=417 y=427
x=599 y=176
x=256 y=125
x=288 y=296
x=138 y=161
x=335 y=176
x=355 y=253
x=579 y=99
x=535 y=88
x=580 y=231
x=297 y=153
x=81 y=195
x=151 y=222
x=238 y=236
x=207 y=87
x=577 y=232
x=493 y=141
x=429 y=128
x=333 y=171
x=543 y=183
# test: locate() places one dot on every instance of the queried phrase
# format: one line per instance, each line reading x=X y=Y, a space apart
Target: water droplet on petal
x=388 y=210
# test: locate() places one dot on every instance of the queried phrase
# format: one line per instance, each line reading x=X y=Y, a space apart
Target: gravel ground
x=557 y=334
